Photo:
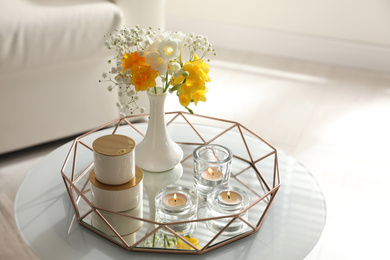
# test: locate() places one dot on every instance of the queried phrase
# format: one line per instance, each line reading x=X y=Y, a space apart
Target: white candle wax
x=175 y=199
x=212 y=174
x=230 y=197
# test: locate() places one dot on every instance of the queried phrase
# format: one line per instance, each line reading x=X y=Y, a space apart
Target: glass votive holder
x=212 y=167
x=176 y=203
x=224 y=201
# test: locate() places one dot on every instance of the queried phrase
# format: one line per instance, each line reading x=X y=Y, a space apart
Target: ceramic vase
x=157 y=152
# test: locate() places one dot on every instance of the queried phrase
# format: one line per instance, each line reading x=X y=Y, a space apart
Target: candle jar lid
x=113 y=145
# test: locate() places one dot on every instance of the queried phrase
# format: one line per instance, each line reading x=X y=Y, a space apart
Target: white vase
x=157 y=152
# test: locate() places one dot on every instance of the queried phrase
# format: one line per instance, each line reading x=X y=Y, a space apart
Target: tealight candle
x=175 y=199
x=212 y=167
x=212 y=174
x=175 y=204
x=223 y=201
x=230 y=198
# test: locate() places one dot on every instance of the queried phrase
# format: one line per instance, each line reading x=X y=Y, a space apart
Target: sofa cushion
x=44 y=33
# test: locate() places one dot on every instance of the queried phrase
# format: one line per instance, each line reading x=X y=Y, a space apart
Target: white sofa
x=52 y=55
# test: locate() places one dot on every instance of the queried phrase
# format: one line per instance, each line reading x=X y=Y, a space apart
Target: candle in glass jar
x=176 y=203
x=212 y=174
x=175 y=199
x=230 y=198
x=212 y=167
x=227 y=200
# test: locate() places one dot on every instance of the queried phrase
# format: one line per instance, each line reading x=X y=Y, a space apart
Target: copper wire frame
x=76 y=194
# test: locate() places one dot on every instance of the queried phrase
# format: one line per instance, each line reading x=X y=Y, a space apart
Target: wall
x=345 y=32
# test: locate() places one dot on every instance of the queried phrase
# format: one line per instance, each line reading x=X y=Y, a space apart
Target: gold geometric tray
x=254 y=168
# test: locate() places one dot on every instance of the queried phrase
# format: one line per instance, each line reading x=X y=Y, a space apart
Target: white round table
x=45 y=218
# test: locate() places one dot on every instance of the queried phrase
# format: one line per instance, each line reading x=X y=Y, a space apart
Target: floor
x=334 y=120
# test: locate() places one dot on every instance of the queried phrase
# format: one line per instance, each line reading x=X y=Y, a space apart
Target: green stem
x=166 y=83
x=167 y=244
x=176 y=87
x=189 y=110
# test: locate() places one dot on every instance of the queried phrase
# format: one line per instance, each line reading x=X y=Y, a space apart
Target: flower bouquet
x=144 y=55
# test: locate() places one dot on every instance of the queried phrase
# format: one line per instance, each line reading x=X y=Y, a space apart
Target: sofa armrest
x=145 y=13
x=42 y=33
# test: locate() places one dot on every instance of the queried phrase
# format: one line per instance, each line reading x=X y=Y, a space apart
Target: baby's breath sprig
x=198 y=43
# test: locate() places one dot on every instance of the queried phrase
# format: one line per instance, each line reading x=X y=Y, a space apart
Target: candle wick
x=228 y=197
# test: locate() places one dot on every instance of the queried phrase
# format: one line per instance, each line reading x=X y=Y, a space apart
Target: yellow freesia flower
x=184 y=100
x=197 y=69
x=131 y=59
x=199 y=96
x=143 y=77
x=194 y=88
x=181 y=245
x=204 y=68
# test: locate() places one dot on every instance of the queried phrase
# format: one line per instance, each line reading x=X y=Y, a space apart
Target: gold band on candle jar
x=139 y=175
x=117 y=197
